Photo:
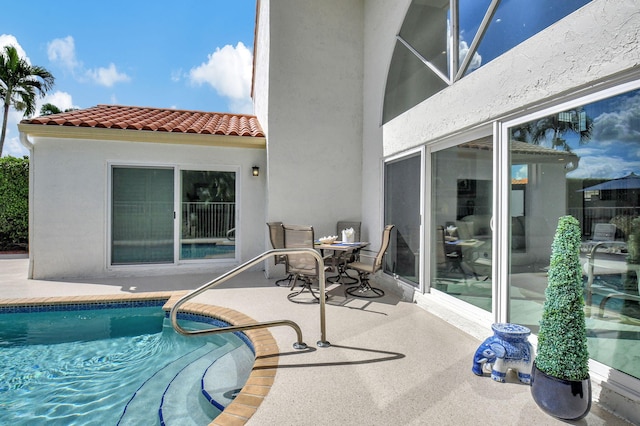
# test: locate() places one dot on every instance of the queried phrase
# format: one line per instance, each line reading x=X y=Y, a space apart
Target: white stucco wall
x=314 y=124
x=70 y=202
x=382 y=22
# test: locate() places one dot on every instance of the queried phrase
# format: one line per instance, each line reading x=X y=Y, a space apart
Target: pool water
x=89 y=366
x=206 y=250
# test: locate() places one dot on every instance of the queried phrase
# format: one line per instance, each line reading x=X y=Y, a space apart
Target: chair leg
x=364 y=289
x=288 y=279
x=306 y=286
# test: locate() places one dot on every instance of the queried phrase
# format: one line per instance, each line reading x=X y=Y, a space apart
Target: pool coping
x=262 y=375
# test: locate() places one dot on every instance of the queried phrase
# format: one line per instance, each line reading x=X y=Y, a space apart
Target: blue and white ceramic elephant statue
x=508 y=348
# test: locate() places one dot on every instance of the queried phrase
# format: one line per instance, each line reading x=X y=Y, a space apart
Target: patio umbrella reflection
x=631 y=181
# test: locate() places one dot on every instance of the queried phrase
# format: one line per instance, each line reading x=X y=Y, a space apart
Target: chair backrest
x=441 y=257
x=276 y=235
x=604 y=232
x=344 y=224
x=297 y=236
x=386 y=238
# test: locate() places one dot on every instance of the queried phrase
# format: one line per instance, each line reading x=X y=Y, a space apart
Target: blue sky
x=194 y=55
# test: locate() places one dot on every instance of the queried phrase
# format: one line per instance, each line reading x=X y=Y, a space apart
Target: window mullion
x=476 y=40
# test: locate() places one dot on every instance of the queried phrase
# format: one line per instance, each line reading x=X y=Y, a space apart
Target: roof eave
x=148 y=136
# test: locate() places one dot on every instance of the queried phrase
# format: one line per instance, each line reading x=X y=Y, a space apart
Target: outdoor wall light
x=255 y=171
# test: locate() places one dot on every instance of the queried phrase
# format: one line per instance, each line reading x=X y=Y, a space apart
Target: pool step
x=148 y=397
x=227 y=375
x=186 y=389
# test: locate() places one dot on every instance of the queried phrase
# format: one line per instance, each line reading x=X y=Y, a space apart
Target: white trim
x=572 y=103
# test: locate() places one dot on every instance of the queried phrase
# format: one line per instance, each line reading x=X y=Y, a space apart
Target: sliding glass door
x=208 y=205
x=147 y=228
x=462 y=222
x=402 y=208
x=581 y=160
x=142 y=215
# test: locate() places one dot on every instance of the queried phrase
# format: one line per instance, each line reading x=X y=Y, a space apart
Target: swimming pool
x=115 y=363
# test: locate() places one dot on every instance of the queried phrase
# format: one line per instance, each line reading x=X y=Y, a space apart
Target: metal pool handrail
x=232 y=273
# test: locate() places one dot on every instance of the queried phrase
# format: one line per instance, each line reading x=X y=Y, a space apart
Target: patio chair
x=340 y=261
x=276 y=235
x=447 y=261
x=365 y=269
x=304 y=267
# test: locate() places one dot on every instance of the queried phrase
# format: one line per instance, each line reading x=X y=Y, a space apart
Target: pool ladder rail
x=299 y=344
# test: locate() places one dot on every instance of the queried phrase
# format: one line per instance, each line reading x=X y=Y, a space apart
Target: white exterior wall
x=70 y=203
x=382 y=22
x=314 y=124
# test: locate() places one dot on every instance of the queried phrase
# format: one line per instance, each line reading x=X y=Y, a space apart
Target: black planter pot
x=564 y=399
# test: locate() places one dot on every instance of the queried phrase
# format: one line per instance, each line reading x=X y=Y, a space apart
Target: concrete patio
x=390 y=362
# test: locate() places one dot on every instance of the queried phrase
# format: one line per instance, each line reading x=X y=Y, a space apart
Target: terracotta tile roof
x=156 y=120
x=517 y=147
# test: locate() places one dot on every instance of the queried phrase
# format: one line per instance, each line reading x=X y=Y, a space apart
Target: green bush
x=14 y=203
x=562 y=339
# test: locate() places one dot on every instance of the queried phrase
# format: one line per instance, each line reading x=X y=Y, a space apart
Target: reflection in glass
x=517 y=20
x=582 y=162
x=425 y=29
x=141 y=215
x=402 y=209
x=462 y=222
x=409 y=82
x=208 y=214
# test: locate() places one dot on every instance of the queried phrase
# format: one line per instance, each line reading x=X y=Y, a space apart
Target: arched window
x=441 y=41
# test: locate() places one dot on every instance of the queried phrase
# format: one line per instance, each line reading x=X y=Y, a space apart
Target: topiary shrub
x=562 y=339
x=14 y=203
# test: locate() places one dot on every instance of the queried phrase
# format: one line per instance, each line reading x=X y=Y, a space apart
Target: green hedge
x=14 y=203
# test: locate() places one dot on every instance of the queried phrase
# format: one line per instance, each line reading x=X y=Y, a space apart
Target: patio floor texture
x=390 y=362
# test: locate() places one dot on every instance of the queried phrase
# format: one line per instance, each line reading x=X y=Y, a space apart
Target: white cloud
x=60 y=99
x=63 y=51
x=228 y=71
x=107 y=76
x=9 y=40
x=176 y=75
x=463 y=51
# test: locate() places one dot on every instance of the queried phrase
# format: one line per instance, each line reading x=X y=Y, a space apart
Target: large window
x=441 y=41
x=583 y=161
x=402 y=209
x=462 y=221
x=147 y=228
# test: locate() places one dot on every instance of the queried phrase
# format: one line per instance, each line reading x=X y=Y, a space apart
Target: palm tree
x=20 y=82
x=574 y=121
x=49 y=109
x=556 y=125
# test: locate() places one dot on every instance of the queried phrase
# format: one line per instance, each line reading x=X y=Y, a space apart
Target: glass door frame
x=421 y=258
x=430 y=149
x=177 y=196
x=178 y=210
x=619 y=381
